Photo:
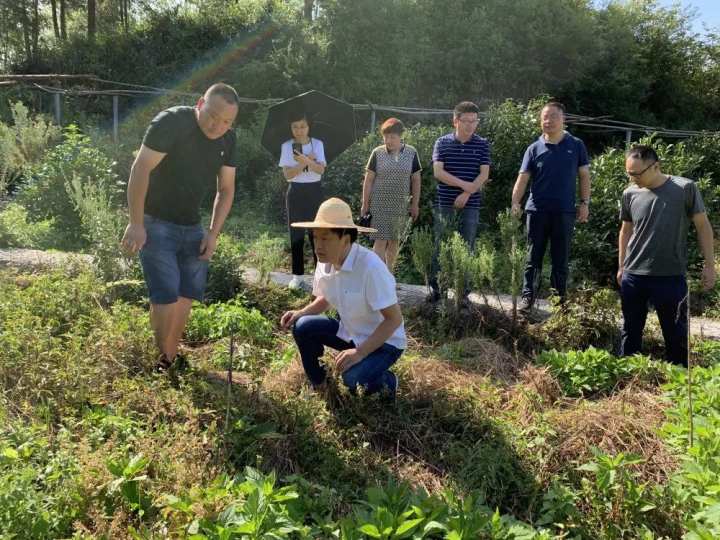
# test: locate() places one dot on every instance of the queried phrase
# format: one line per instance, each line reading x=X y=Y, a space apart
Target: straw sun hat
x=333 y=214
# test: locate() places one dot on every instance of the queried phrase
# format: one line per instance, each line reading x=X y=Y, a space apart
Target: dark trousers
x=313 y=332
x=557 y=227
x=466 y=221
x=669 y=296
x=303 y=201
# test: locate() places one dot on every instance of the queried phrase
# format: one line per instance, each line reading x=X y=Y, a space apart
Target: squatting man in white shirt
x=370 y=335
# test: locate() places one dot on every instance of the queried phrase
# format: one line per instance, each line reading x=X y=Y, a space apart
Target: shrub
x=17 y=232
x=421 y=248
x=455 y=267
x=588 y=317
x=225 y=272
x=23 y=144
x=102 y=226
x=46 y=194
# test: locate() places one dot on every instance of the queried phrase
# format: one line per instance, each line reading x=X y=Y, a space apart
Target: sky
x=708 y=12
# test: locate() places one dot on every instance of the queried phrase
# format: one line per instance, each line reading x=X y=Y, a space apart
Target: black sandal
x=163 y=363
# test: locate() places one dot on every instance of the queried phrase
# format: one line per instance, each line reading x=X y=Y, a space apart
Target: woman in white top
x=302 y=159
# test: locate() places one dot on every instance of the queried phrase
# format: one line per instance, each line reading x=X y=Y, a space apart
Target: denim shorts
x=170 y=261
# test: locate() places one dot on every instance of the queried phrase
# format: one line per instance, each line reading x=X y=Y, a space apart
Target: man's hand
x=346 y=359
x=134 y=238
x=708 y=276
x=289 y=317
x=414 y=212
x=364 y=209
x=207 y=246
x=461 y=200
x=516 y=210
x=619 y=276
x=583 y=213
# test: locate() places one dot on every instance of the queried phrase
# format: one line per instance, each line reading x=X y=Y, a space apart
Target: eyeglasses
x=638 y=175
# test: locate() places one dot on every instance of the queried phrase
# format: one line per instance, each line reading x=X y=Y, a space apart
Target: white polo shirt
x=358 y=291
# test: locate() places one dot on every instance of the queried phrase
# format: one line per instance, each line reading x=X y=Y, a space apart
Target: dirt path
x=409 y=295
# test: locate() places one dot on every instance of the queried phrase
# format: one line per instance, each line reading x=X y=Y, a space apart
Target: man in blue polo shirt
x=553 y=162
x=461 y=164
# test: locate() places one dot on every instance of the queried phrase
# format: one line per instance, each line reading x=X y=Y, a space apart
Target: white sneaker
x=296 y=282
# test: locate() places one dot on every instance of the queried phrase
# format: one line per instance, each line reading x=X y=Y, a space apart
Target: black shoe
x=433 y=297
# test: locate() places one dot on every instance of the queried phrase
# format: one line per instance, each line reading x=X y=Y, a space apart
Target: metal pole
x=628 y=137
x=58 y=109
x=372 y=118
x=115 y=100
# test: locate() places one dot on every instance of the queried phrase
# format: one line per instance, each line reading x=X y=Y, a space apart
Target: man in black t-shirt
x=185 y=152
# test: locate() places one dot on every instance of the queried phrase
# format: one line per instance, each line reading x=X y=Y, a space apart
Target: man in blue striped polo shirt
x=461 y=164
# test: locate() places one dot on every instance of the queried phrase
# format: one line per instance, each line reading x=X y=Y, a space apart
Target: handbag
x=364 y=221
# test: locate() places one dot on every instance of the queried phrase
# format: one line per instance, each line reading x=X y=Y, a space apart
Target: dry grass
x=625 y=422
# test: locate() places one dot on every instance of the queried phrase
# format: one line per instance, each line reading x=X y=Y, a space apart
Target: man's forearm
x=317 y=306
x=519 y=189
x=136 y=193
x=381 y=334
x=585 y=184
x=415 y=183
x=705 y=240
x=451 y=180
x=623 y=240
x=221 y=209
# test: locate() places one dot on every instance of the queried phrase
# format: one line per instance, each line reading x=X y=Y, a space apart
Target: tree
x=91 y=19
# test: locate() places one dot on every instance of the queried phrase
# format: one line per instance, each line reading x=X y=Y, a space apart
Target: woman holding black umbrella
x=302 y=159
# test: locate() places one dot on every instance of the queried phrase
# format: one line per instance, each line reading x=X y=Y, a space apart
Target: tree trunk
x=308 y=9
x=91 y=19
x=56 y=26
x=63 y=21
x=35 y=29
x=27 y=40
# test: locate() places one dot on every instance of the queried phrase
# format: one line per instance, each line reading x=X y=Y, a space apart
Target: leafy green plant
x=266 y=254
x=455 y=267
x=588 y=317
x=40 y=491
x=223 y=319
x=46 y=195
x=254 y=509
x=102 y=226
x=225 y=271
x=614 y=492
x=23 y=143
x=17 y=232
x=127 y=486
x=593 y=371
x=421 y=247
x=512 y=241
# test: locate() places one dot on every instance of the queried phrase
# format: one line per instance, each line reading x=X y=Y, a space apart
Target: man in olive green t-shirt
x=656 y=213
x=185 y=152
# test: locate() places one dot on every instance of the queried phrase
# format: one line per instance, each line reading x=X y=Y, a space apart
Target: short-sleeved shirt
x=287 y=159
x=358 y=291
x=661 y=217
x=190 y=167
x=463 y=160
x=553 y=172
x=372 y=162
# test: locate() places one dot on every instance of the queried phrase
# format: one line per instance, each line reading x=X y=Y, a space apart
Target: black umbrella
x=331 y=120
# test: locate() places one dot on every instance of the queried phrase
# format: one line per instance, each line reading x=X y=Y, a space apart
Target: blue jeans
x=556 y=227
x=170 y=261
x=465 y=221
x=669 y=296
x=313 y=332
